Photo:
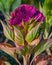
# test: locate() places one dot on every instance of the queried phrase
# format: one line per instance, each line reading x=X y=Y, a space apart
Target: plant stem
x=48 y=51
x=32 y=60
x=18 y=61
x=25 y=60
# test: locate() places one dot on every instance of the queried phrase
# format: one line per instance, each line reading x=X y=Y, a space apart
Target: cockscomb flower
x=24 y=13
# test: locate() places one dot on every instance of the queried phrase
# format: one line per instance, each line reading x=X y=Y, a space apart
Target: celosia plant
x=24 y=28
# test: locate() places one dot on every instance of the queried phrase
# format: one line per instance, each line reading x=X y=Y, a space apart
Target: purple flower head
x=24 y=13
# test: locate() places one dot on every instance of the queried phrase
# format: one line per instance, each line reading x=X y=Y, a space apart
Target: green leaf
x=18 y=36
x=9 y=4
x=7 y=31
x=40 y=8
x=16 y=4
x=47 y=7
x=25 y=50
x=5 y=6
x=7 y=63
x=47 y=30
x=42 y=47
x=3 y=2
x=1 y=7
x=50 y=20
x=32 y=34
x=46 y=33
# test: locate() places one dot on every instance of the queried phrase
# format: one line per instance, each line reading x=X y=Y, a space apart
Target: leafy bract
x=18 y=36
x=32 y=33
x=7 y=31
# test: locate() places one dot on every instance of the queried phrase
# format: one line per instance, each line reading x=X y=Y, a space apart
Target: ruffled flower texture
x=24 y=13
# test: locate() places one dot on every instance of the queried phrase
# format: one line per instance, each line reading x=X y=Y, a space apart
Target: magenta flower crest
x=24 y=13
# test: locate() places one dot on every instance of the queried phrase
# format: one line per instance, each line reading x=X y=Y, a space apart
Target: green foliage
x=32 y=33
x=42 y=47
x=6 y=6
x=7 y=31
x=25 y=50
x=18 y=36
x=47 y=6
x=16 y=4
x=46 y=9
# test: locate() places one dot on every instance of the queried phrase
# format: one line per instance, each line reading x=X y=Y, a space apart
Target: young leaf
x=7 y=31
x=32 y=34
x=41 y=47
x=18 y=36
x=35 y=42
